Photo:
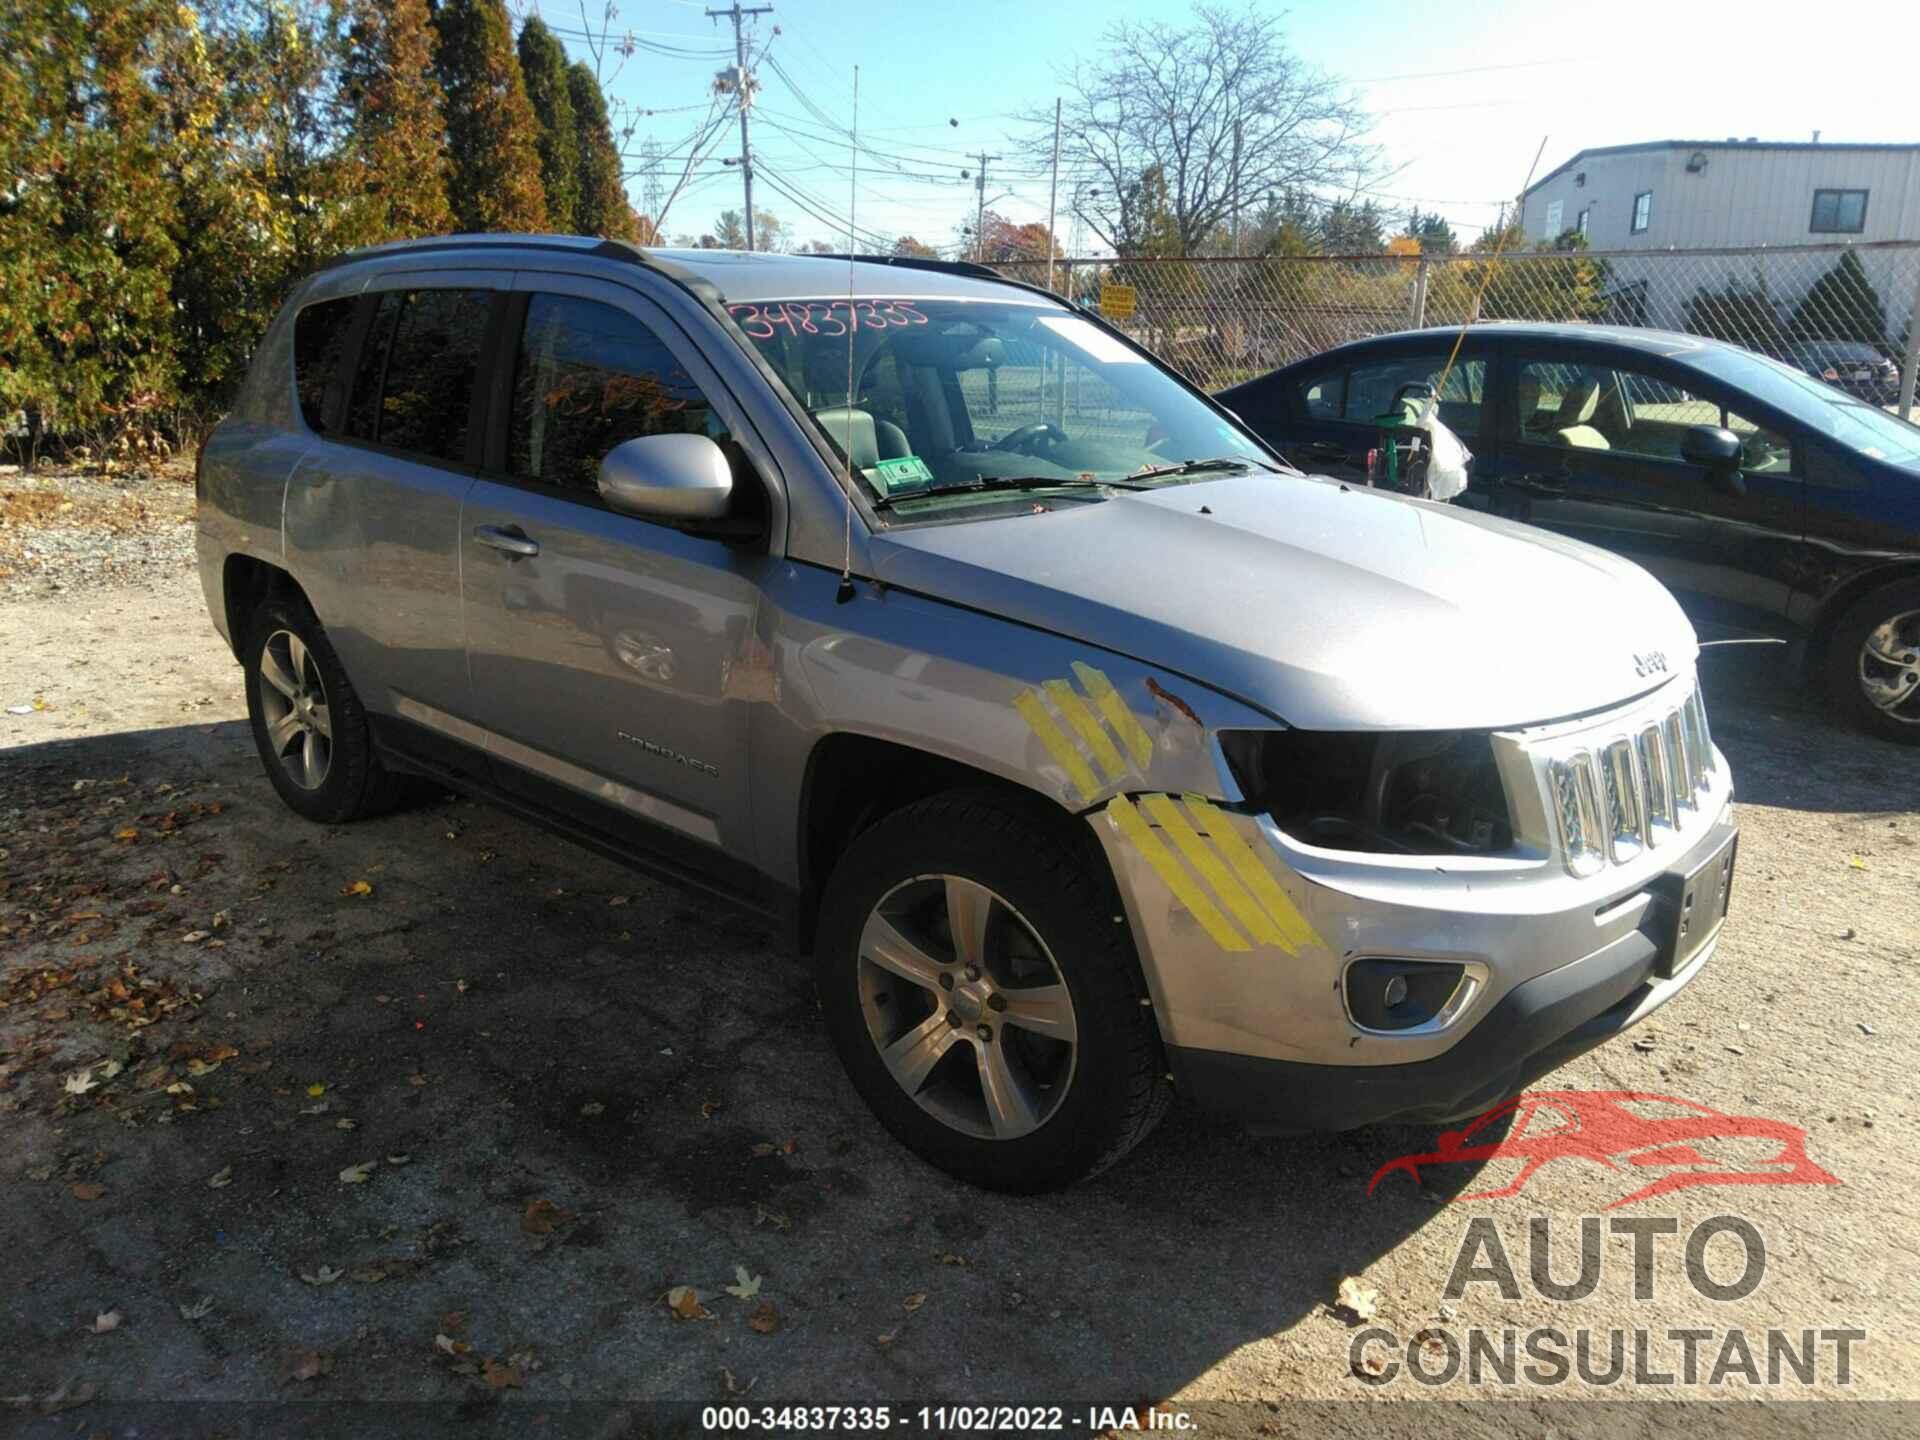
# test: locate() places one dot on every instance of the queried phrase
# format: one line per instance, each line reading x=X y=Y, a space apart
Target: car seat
x=1572 y=425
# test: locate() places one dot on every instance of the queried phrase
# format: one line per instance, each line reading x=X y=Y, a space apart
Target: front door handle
x=1327 y=449
x=509 y=540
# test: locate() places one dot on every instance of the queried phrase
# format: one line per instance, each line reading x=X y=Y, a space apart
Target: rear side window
x=414 y=387
x=586 y=378
x=1321 y=395
x=319 y=346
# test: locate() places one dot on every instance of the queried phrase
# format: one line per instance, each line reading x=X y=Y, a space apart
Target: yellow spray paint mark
x=1132 y=734
x=1213 y=870
x=1184 y=887
x=1068 y=702
x=1027 y=702
x=1294 y=927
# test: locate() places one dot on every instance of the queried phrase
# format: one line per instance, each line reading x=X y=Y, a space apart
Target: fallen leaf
x=359 y=888
x=1357 y=1297
x=88 y=1190
x=763 y=1319
x=915 y=1301
x=80 y=1082
x=541 y=1216
x=358 y=1174
x=416 y=1080
x=107 y=1320
x=310 y=1365
x=592 y=1108
x=684 y=1302
x=325 y=1275
x=126 y=833
x=345 y=1122
x=888 y=1338
x=619 y=899
x=734 y=1387
x=220 y=1178
x=447 y=1345
x=1370 y=1363
x=501 y=1376
x=199 y=1310
x=747 y=1287
x=708 y=1107
x=316 y=1091
x=193 y=937
x=947 y=1257
x=398 y=1159
x=767 y=1147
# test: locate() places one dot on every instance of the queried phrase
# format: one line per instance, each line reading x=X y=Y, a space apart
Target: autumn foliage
x=169 y=170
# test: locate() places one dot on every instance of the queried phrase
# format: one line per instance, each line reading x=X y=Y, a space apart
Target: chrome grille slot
x=1629 y=783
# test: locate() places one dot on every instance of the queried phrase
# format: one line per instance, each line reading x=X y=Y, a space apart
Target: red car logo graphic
x=1628 y=1131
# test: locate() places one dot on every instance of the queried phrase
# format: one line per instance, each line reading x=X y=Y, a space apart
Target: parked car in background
x=1769 y=502
x=1079 y=740
x=1853 y=365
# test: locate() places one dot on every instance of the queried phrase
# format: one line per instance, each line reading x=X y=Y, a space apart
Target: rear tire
x=1032 y=1069
x=1873 y=663
x=308 y=723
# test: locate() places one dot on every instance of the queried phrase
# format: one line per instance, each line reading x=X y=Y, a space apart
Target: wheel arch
x=852 y=781
x=246 y=582
x=1855 y=589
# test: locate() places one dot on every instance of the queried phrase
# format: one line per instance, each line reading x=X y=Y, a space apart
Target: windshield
x=1856 y=424
x=957 y=394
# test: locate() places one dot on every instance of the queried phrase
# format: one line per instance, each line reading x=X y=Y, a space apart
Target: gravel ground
x=570 y=1090
x=71 y=532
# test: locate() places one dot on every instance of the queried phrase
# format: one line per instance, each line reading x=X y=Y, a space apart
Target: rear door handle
x=1327 y=449
x=509 y=540
x=1538 y=484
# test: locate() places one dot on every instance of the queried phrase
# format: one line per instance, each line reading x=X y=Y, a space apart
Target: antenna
x=845 y=592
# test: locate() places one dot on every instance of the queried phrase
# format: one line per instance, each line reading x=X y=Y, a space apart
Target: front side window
x=414 y=387
x=319 y=345
x=1839 y=212
x=1630 y=413
x=1642 y=211
x=588 y=377
x=947 y=394
x=1378 y=392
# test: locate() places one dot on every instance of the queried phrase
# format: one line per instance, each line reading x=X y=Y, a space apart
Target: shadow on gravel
x=596 y=1088
x=1786 y=747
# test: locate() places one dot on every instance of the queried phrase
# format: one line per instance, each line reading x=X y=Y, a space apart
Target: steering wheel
x=1023 y=438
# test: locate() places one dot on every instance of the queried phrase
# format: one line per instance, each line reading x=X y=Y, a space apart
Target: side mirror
x=1711 y=446
x=667 y=477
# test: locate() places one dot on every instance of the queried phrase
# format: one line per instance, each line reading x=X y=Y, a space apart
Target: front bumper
x=1555 y=962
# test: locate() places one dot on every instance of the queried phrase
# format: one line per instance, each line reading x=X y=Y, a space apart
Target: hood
x=1330 y=606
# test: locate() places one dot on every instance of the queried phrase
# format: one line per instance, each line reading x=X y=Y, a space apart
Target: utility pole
x=744 y=92
x=1053 y=191
x=980 y=210
x=1236 y=188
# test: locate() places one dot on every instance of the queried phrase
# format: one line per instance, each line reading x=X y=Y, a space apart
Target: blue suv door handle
x=509 y=540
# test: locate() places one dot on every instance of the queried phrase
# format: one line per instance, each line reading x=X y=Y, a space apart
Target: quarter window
x=1323 y=396
x=1642 y=211
x=587 y=378
x=1839 y=212
x=415 y=383
x=319 y=344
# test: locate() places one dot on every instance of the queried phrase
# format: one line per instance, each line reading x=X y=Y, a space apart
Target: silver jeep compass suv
x=1084 y=745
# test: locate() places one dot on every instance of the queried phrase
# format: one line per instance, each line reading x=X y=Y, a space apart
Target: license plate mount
x=1693 y=906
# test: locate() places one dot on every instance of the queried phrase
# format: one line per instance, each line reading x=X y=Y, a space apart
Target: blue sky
x=1461 y=104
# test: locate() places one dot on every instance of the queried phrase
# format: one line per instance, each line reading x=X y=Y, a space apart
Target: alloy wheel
x=967 y=1007
x=293 y=702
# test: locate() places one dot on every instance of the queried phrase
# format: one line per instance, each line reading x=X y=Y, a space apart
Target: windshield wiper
x=1003 y=482
x=1194 y=467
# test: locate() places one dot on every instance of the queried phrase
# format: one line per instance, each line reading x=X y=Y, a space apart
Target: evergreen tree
x=396 y=109
x=1842 y=305
x=543 y=61
x=1739 y=314
x=602 y=207
x=492 y=135
x=86 y=248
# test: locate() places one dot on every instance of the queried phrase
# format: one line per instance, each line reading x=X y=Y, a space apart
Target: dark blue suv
x=1769 y=502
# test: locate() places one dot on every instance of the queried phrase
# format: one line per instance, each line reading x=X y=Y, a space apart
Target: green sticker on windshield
x=906 y=472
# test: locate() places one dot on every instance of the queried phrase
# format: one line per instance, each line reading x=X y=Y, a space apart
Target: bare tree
x=1176 y=130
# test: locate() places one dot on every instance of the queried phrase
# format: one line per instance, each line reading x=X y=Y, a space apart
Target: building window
x=1554 y=212
x=1642 y=210
x=1581 y=223
x=1839 y=212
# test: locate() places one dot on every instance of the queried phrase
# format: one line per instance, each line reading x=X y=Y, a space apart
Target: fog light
x=1387 y=994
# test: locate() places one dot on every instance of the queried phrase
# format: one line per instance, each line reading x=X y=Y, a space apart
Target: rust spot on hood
x=1159 y=692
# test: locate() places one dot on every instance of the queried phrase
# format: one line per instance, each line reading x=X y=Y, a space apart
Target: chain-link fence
x=1844 y=309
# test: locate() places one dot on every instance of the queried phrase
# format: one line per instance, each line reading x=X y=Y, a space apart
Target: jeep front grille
x=1631 y=783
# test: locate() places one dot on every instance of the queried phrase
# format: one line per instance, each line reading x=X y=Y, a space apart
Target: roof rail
x=918 y=262
x=566 y=244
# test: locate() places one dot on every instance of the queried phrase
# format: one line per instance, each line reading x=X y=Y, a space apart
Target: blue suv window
x=319 y=344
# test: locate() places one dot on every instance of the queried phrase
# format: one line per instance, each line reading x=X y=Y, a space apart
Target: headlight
x=1428 y=792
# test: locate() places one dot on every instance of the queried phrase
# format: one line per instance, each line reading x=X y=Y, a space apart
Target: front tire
x=308 y=723
x=983 y=994
x=1873 y=663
